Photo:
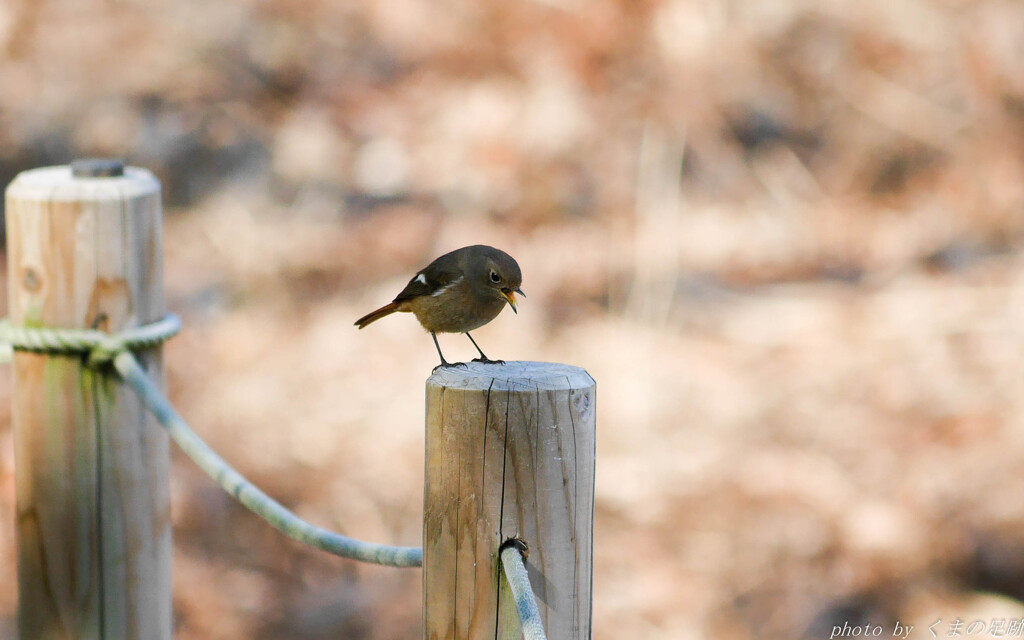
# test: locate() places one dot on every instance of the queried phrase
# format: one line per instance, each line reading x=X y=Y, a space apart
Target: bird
x=461 y=291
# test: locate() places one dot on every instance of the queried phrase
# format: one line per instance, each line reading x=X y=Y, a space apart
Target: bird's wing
x=428 y=282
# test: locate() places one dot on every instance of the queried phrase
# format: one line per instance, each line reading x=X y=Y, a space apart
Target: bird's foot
x=448 y=365
x=488 y=361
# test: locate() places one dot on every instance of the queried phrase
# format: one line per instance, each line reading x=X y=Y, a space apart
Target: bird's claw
x=488 y=361
x=448 y=365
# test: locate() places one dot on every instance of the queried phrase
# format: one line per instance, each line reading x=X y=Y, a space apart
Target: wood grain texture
x=509 y=453
x=94 y=541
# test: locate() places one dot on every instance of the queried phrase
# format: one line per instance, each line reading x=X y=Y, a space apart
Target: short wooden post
x=509 y=453
x=93 y=521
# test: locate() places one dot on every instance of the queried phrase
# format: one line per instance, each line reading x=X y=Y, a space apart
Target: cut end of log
x=512 y=375
x=61 y=184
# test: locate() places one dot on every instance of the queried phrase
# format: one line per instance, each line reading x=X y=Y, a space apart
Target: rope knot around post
x=101 y=348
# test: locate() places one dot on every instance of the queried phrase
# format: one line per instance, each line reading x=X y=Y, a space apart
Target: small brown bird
x=457 y=293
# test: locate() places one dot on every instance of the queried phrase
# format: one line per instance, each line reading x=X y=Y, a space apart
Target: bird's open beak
x=508 y=293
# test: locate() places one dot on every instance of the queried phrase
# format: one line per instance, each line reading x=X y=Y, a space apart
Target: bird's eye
x=495 y=277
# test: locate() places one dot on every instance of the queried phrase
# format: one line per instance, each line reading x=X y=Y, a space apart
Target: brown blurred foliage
x=784 y=236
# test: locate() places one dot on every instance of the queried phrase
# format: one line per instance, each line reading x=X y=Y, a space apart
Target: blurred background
x=785 y=237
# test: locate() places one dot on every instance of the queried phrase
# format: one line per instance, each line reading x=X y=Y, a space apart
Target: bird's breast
x=456 y=311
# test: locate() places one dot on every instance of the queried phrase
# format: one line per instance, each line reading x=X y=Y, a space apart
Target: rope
x=512 y=561
x=103 y=348
x=246 y=492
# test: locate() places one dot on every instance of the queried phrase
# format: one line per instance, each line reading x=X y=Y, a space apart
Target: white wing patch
x=446 y=287
x=422 y=279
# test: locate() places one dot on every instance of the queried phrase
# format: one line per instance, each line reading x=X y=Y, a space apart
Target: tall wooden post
x=93 y=513
x=509 y=454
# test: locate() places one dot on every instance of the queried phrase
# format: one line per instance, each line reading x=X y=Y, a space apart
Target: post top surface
x=512 y=375
x=97 y=168
x=60 y=184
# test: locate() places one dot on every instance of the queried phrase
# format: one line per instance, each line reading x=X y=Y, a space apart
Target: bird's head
x=499 y=273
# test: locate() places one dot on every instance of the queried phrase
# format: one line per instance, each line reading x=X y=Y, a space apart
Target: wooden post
x=509 y=453
x=93 y=512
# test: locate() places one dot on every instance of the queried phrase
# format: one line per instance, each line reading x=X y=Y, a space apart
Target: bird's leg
x=444 y=363
x=482 y=357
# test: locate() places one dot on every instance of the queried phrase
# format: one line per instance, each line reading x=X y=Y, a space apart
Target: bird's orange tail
x=373 y=316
